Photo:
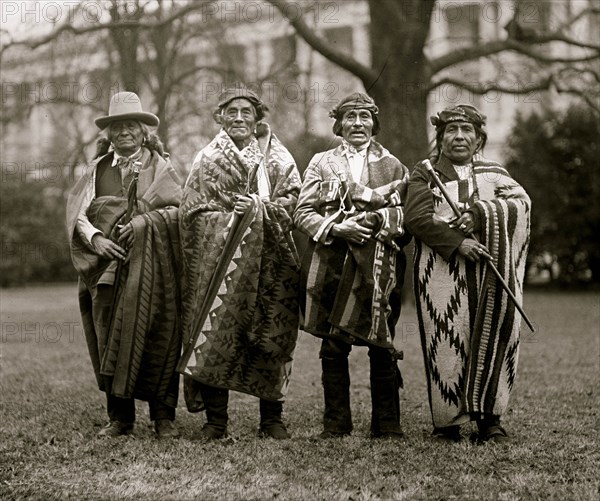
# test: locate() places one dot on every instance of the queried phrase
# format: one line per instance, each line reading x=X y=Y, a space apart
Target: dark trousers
x=123 y=409
x=385 y=383
x=216 y=401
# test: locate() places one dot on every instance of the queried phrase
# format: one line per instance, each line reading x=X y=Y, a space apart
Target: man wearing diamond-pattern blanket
x=469 y=327
x=240 y=306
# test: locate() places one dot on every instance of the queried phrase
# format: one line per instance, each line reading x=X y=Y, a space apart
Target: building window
x=463 y=24
x=236 y=60
x=284 y=50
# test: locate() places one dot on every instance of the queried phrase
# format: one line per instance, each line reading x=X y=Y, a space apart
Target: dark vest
x=108 y=179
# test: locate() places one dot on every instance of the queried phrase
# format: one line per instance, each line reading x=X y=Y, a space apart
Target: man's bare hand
x=242 y=204
x=465 y=223
x=352 y=231
x=107 y=248
x=126 y=236
x=473 y=251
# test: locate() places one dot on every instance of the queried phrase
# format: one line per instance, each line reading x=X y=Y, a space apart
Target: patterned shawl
x=469 y=328
x=135 y=336
x=348 y=288
x=240 y=307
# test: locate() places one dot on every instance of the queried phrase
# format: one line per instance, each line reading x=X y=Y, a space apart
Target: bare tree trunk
x=126 y=40
x=404 y=130
x=160 y=38
x=398 y=34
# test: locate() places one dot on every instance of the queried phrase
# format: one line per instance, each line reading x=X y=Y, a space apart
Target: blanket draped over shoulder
x=131 y=318
x=240 y=306
x=348 y=288
x=469 y=327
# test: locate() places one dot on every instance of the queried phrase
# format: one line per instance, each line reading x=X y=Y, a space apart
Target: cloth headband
x=354 y=101
x=460 y=113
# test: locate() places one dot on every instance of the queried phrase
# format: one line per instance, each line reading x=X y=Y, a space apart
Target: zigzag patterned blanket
x=137 y=342
x=469 y=326
x=240 y=307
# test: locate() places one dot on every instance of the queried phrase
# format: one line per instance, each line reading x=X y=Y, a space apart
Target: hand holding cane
x=490 y=262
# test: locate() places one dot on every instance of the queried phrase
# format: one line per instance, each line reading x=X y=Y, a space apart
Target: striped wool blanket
x=240 y=306
x=351 y=292
x=131 y=319
x=469 y=326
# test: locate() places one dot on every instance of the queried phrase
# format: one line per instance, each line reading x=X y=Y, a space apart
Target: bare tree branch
x=219 y=70
x=496 y=46
x=68 y=27
x=585 y=12
x=482 y=88
x=563 y=81
x=345 y=61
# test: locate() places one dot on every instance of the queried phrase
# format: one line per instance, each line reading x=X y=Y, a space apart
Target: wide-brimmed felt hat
x=126 y=106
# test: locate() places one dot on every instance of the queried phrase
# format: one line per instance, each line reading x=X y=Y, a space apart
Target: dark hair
x=439 y=134
x=459 y=113
x=260 y=109
x=337 y=125
x=355 y=101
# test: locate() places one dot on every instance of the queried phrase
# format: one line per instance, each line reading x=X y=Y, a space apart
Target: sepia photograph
x=300 y=250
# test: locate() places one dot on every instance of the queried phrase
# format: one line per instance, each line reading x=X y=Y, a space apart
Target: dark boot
x=447 y=434
x=385 y=398
x=337 y=417
x=121 y=412
x=215 y=402
x=271 y=424
x=490 y=430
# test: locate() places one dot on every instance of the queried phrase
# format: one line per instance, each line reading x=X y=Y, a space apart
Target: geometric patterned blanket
x=240 y=305
x=132 y=327
x=469 y=327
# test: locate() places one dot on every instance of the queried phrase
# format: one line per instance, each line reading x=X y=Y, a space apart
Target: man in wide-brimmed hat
x=350 y=206
x=240 y=307
x=469 y=327
x=122 y=222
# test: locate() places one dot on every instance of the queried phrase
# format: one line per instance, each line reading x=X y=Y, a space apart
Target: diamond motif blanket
x=469 y=327
x=240 y=306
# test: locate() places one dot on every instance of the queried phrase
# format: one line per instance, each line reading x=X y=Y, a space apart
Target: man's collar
x=351 y=149
x=445 y=167
x=130 y=157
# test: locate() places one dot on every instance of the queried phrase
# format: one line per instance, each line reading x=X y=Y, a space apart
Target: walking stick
x=490 y=263
x=131 y=205
x=228 y=253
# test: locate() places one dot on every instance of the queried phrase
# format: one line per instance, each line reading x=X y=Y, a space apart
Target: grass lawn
x=51 y=410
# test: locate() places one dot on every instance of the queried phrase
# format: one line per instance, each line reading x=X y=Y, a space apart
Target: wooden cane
x=490 y=263
x=131 y=205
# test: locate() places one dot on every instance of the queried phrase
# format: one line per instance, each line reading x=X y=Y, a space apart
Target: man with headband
x=350 y=206
x=469 y=328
